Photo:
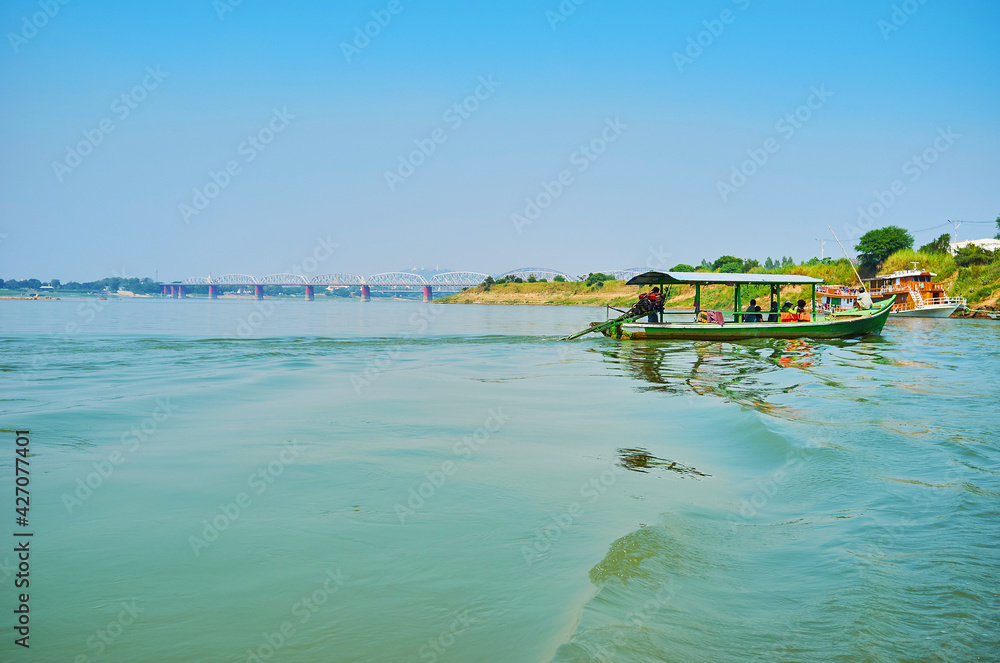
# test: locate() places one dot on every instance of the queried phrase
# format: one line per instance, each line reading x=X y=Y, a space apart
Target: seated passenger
x=750 y=310
x=800 y=312
x=758 y=317
x=774 y=312
x=786 y=312
x=864 y=299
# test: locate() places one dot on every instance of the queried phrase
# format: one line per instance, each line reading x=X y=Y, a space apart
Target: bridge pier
x=366 y=293
x=180 y=292
x=428 y=294
x=213 y=292
x=173 y=292
x=258 y=291
x=166 y=290
x=309 y=293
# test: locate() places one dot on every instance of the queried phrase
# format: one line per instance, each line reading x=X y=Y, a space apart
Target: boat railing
x=836 y=308
x=937 y=301
x=832 y=291
x=945 y=300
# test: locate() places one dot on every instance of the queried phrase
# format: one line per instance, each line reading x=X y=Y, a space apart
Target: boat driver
x=864 y=299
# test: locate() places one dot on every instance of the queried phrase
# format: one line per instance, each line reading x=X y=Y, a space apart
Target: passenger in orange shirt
x=786 y=312
x=800 y=312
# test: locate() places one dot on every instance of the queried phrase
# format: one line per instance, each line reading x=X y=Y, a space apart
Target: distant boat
x=820 y=324
x=836 y=298
x=917 y=294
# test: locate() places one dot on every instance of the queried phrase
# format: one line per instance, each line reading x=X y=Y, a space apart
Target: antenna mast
x=822 y=245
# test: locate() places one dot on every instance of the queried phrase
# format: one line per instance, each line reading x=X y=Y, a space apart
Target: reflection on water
x=798 y=354
x=750 y=373
x=640 y=460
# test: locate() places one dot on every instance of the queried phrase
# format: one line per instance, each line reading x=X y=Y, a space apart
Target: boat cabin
x=740 y=284
x=913 y=288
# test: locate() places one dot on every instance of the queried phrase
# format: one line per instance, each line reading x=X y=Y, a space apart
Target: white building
x=988 y=244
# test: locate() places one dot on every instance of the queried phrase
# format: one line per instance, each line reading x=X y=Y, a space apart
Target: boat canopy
x=713 y=278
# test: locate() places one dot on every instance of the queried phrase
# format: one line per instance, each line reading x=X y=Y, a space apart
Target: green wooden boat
x=844 y=324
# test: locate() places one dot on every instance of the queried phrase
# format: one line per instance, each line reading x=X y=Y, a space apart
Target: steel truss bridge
x=385 y=282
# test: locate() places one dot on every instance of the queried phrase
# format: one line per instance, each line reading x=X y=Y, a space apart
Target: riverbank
x=612 y=293
x=980 y=285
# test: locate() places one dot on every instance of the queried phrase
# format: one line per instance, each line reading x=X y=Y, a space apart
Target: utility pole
x=822 y=245
x=956 y=224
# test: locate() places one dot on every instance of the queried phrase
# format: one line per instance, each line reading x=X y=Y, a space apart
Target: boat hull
x=841 y=326
x=932 y=311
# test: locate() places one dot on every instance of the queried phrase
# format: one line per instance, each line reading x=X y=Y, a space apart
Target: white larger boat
x=917 y=294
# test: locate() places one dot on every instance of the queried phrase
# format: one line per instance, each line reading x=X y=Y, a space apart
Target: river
x=395 y=481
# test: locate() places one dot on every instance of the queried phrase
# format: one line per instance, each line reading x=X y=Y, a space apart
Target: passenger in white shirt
x=864 y=299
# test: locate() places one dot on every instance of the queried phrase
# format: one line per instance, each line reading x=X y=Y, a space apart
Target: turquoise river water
x=396 y=481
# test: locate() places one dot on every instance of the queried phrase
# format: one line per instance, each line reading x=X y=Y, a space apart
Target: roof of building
x=904 y=272
x=988 y=242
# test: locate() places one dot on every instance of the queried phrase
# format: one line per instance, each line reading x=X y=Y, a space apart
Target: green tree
x=54 y=283
x=532 y=278
x=733 y=265
x=940 y=245
x=681 y=267
x=970 y=255
x=559 y=278
x=877 y=245
x=597 y=279
x=998 y=228
x=725 y=260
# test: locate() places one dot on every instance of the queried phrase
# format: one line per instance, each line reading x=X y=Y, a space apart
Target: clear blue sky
x=652 y=197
